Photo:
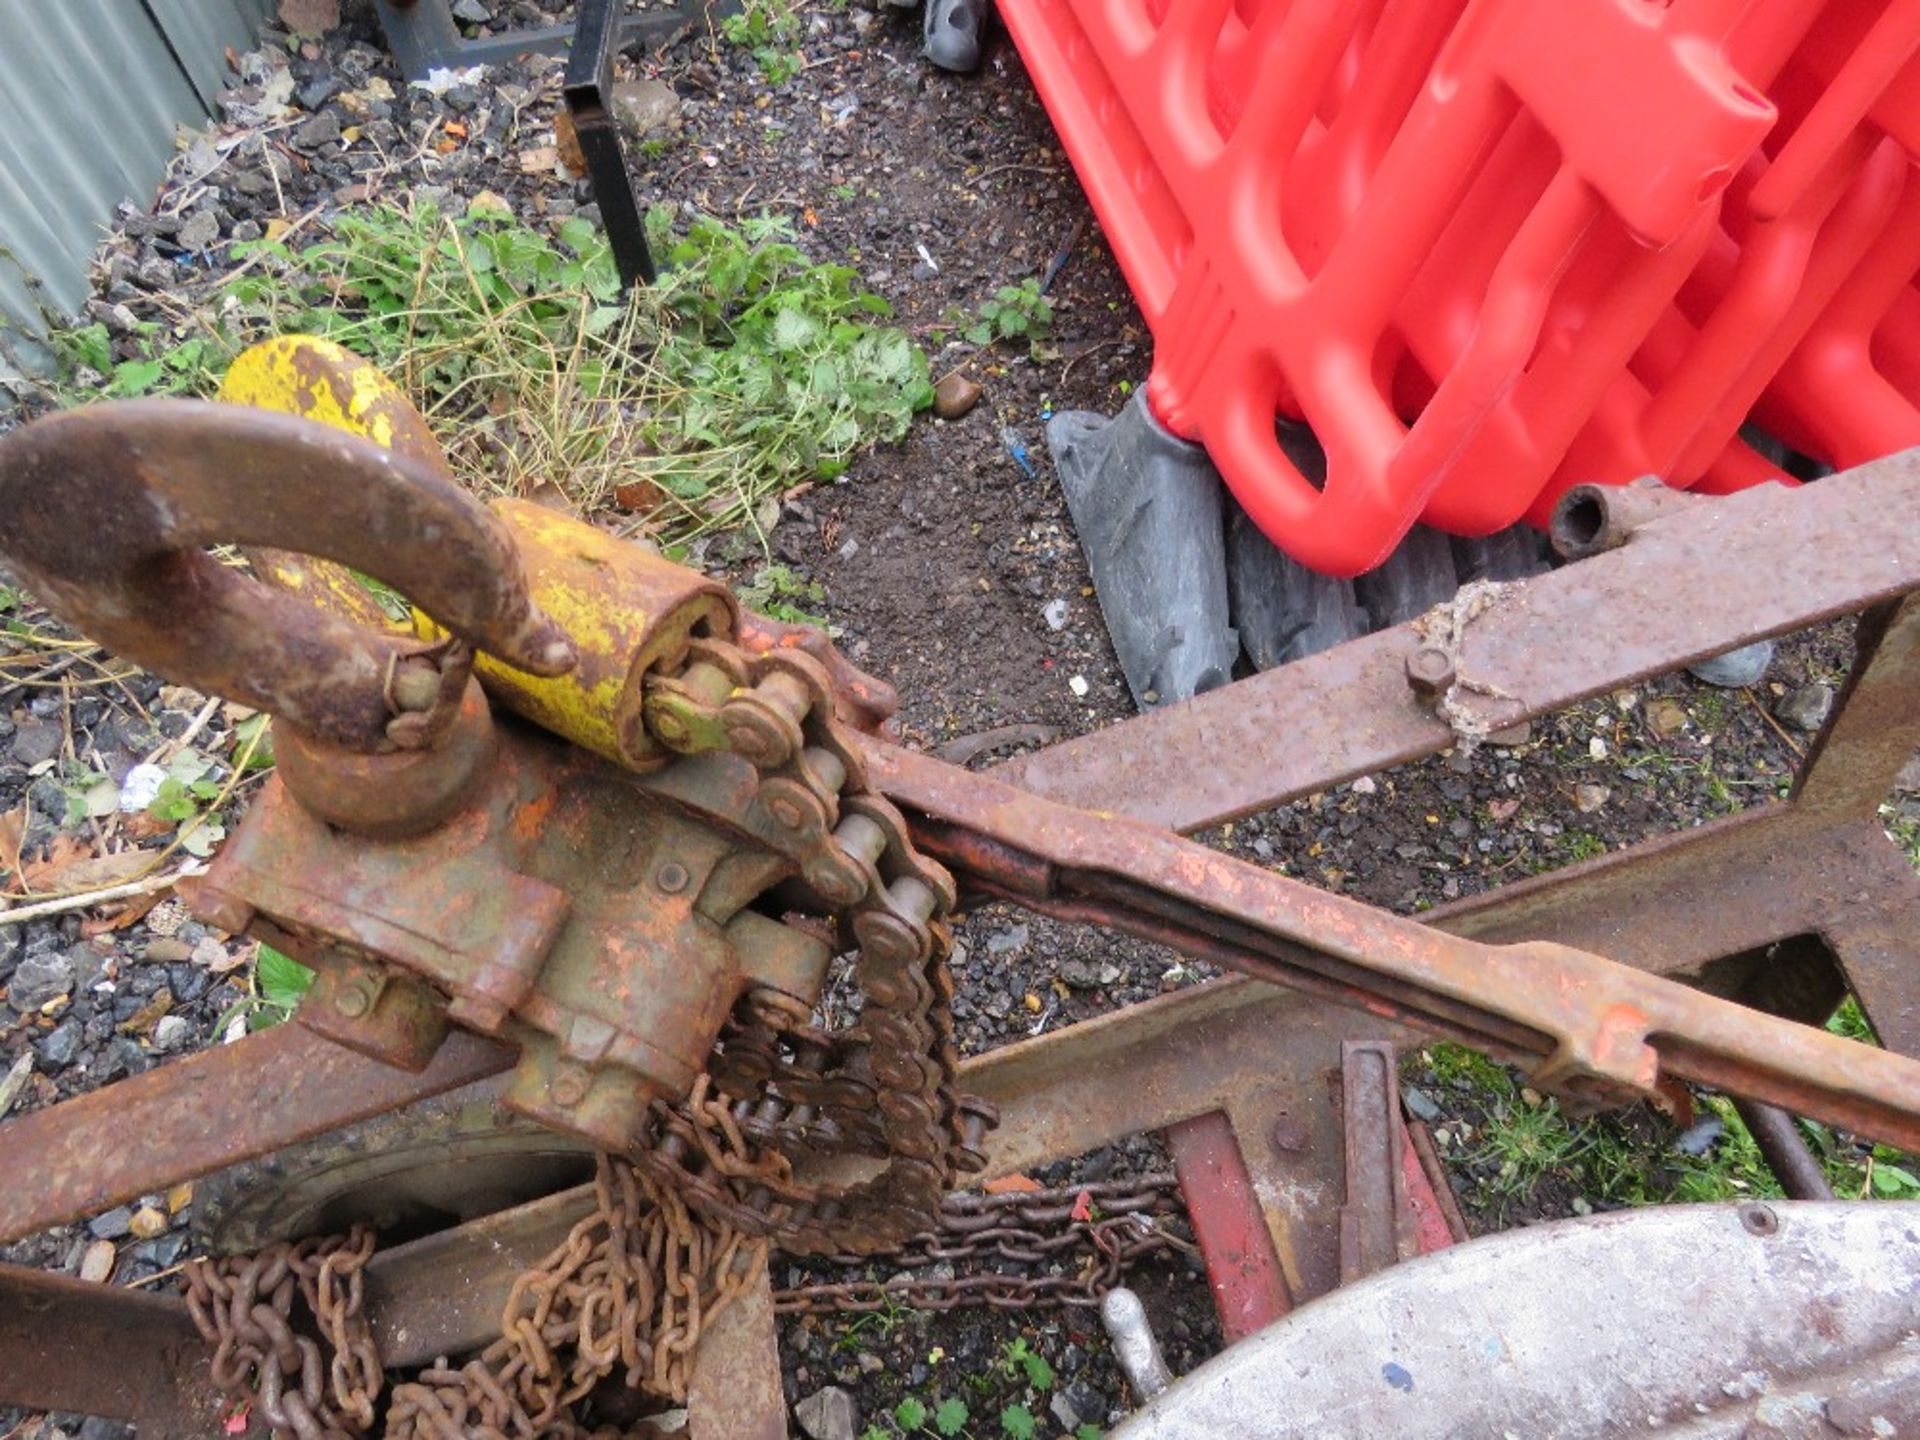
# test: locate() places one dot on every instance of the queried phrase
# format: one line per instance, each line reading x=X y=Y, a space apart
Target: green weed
x=1017 y=1358
x=744 y=371
x=278 y=984
x=767 y=30
x=882 y=1323
x=1523 y=1141
x=778 y=593
x=1585 y=846
x=1015 y=312
x=1904 y=830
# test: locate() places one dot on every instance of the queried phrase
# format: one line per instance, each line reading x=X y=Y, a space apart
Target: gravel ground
x=948 y=566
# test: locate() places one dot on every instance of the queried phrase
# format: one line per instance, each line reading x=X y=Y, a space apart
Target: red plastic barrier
x=1489 y=249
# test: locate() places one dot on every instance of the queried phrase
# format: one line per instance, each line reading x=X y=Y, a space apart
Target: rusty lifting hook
x=105 y=513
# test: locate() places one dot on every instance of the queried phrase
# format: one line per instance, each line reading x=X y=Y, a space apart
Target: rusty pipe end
x=1585 y=523
x=1589 y=519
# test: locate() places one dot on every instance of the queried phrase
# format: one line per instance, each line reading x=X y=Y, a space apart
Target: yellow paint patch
x=307 y=376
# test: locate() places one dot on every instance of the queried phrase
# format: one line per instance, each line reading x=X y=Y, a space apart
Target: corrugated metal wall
x=90 y=94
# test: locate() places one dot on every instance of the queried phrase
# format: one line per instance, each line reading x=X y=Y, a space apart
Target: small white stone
x=1078 y=685
x=1365 y=785
x=1055 y=614
x=97 y=1264
x=141 y=788
x=1597 y=748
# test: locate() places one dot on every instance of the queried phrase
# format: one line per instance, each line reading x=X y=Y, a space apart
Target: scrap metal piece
x=104 y=512
x=70 y=1345
x=1785 y=1150
x=1812 y=1311
x=588 y=93
x=1590 y=519
x=1134 y=1345
x=1243 y=1267
x=424 y=36
x=1764 y=562
x=1376 y=1223
x=199 y=1113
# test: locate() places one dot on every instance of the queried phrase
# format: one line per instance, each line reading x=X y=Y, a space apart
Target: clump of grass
x=1522 y=1141
x=693 y=403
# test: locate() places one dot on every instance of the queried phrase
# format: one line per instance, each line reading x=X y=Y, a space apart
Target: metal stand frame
x=423 y=36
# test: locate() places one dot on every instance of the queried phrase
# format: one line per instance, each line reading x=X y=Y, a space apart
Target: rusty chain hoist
x=635 y=918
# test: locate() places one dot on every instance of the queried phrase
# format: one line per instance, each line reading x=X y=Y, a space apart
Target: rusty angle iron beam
x=204 y=1112
x=1762 y=562
x=1536 y=1003
x=1585 y=1024
x=105 y=1350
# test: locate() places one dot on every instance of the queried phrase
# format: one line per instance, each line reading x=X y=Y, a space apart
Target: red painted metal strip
x=1243 y=1268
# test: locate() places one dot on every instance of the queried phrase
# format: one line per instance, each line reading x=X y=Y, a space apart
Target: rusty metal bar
x=207 y=1111
x=1763 y=562
x=1786 y=1153
x=1376 y=1224
x=1602 y=1029
x=1243 y=1268
x=1437 y=1184
x=107 y=1351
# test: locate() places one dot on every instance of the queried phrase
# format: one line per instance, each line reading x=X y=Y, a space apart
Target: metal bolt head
x=1430 y=672
x=1759 y=1219
x=668 y=727
x=753 y=742
x=672 y=877
x=785 y=812
x=569 y=1086
x=353 y=1001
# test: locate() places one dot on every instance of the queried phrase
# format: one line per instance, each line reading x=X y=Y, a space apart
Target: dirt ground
x=945 y=562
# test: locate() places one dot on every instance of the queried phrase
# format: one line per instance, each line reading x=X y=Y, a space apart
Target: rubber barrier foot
x=1417 y=576
x=1283 y=610
x=953 y=33
x=1147 y=506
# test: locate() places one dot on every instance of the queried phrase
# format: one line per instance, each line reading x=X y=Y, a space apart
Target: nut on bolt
x=1430 y=672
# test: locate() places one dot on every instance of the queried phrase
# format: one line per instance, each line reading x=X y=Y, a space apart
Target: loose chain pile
x=1025 y=1250
x=629 y=1294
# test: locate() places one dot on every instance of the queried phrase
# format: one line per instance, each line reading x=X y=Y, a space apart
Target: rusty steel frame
x=1754 y=905
x=105 y=1350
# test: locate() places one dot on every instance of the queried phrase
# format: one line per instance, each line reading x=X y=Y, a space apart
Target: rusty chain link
x=244 y=1308
x=1073 y=1244
x=629 y=1293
